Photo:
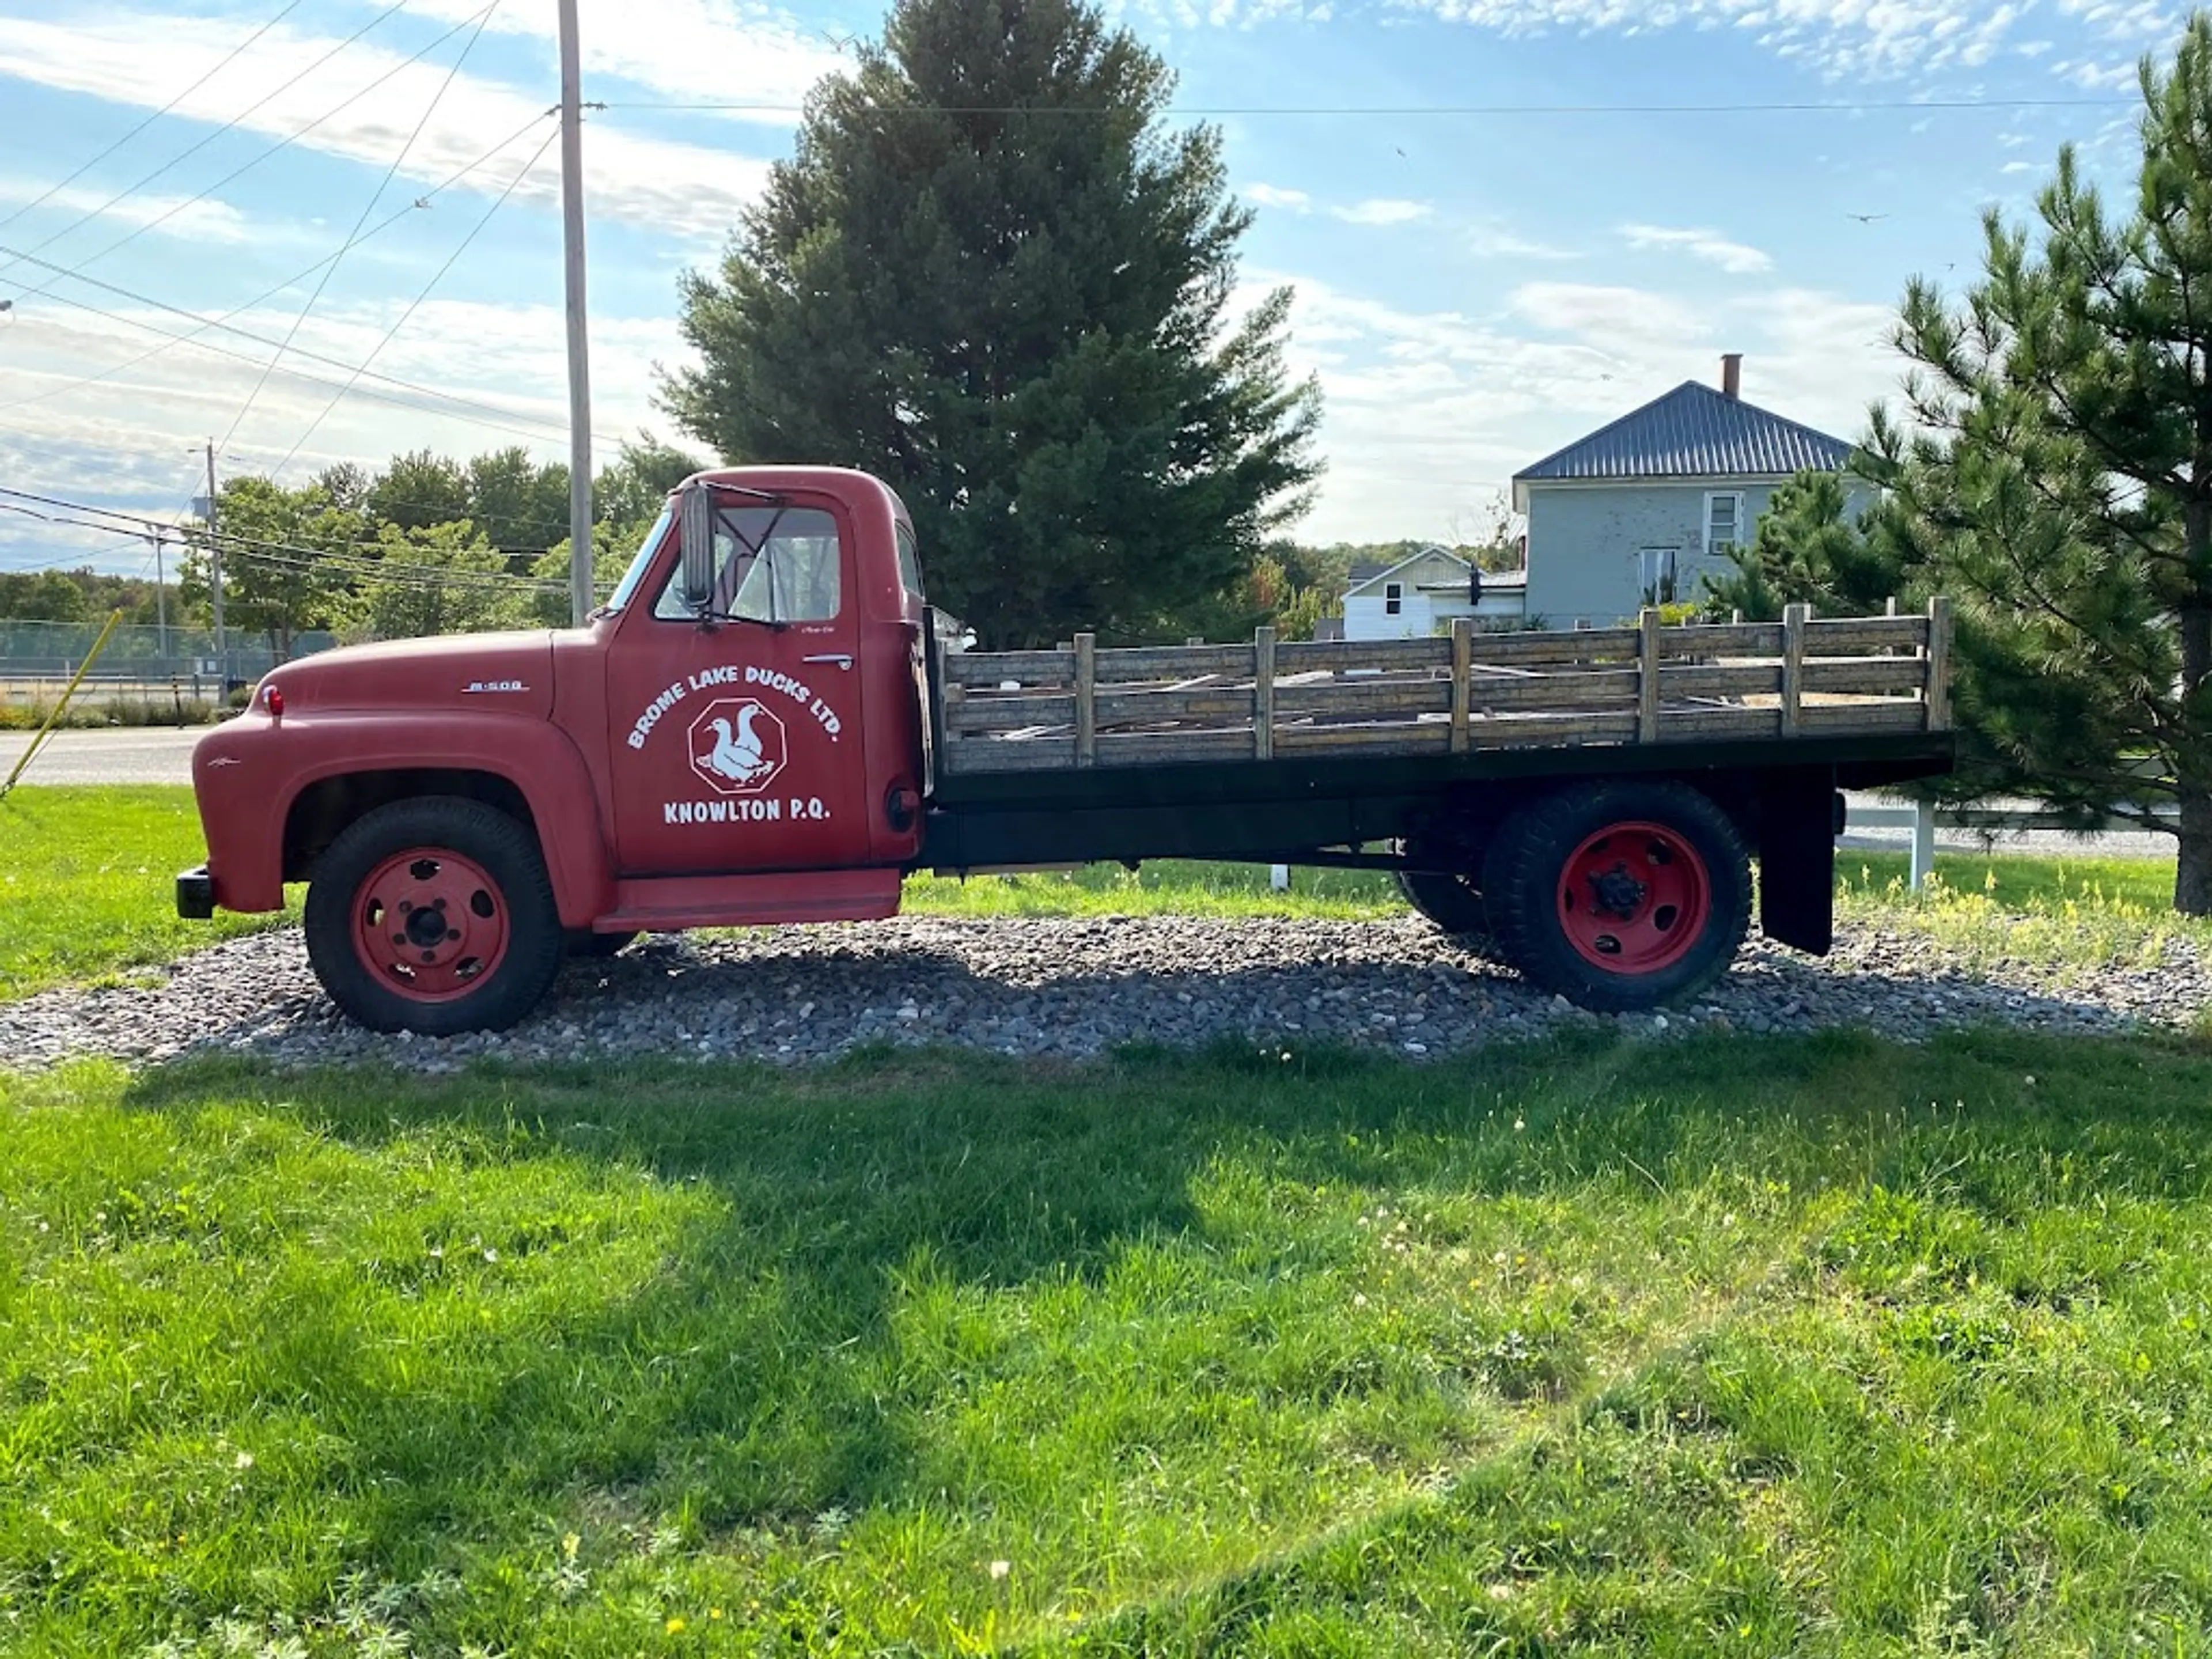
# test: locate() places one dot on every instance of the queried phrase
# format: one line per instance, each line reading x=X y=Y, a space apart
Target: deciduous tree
x=288 y=558
x=444 y=580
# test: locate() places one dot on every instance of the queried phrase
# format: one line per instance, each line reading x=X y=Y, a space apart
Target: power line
x=382 y=184
x=134 y=523
x=136 y=526
x=248 y=166
x=377 y=229
x=311 y=356
x=401 y=320
x=122 y=195
x=1210 y=112
x=227 y=60
x=419 y=575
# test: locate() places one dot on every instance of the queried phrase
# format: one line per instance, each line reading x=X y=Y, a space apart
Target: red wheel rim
x=1634 y=898
x=430 y=924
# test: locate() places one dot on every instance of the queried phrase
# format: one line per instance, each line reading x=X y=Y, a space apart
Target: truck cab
x=737 y=735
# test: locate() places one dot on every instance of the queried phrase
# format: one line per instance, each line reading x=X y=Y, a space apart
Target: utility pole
x=214 y=588
x=580 y=375
x=160 y=603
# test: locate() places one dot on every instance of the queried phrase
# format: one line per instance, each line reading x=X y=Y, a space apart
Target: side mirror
x=696 y=519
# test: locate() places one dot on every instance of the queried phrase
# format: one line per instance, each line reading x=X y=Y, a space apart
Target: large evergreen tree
x=991 y=276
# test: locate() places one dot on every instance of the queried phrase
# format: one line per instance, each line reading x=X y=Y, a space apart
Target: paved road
x=163 y=755
x=2052 y=844
x=153 y=754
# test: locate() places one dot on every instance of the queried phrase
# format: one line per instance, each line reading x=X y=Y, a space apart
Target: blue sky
x=1473 y=288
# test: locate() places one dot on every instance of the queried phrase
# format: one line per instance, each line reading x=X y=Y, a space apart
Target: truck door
x=736 y=742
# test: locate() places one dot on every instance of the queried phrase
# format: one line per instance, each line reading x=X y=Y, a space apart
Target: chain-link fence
x=39 y=657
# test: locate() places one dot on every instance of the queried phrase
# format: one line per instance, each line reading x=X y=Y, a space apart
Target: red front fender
x=249 y=774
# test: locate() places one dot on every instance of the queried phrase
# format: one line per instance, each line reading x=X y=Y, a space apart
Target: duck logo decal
x=737 y=746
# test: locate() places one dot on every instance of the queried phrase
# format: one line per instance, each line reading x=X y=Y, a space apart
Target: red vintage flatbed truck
x=769 y=723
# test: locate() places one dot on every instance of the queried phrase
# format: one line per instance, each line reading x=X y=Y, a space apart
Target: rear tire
x=434 y=916
x=1620 y=896
x=1453 y=904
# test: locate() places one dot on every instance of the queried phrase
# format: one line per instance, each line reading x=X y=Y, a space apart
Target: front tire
x=1620 y=896
x=434 y=916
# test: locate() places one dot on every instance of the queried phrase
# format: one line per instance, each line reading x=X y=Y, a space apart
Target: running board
x=666 y=904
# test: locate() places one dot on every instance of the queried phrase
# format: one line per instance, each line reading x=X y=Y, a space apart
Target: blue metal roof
x=1692 y=432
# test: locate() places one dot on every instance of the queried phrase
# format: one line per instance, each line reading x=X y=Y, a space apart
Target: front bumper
x=195 y=894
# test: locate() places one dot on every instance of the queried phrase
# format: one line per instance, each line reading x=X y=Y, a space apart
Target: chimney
x=1731 y=373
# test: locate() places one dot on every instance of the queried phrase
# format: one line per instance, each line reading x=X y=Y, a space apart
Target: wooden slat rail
x=1451 y=694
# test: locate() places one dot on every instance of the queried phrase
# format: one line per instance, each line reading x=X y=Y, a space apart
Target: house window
x=1724 y=521
x=1394 y=598
x=1655 y=575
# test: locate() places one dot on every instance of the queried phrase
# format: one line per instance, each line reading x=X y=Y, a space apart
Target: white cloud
x=2099 y=77
x=1709 y=246
x=1840 y=41
x=1375 y=210
x=138 y=58
x=1492 y=239
x=1382 y=211
x=2010 y=167
x=207 y=220
x=1610 y=316
x=2125 y=20
x=511 y=359
x=1427 y=415
x=693 y=50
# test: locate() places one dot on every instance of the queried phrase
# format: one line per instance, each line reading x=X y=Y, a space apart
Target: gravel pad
x=1066 y=988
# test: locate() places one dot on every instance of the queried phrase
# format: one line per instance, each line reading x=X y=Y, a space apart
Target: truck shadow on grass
x=904 y=1313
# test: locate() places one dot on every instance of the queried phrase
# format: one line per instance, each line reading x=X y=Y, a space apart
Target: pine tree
x=1808 y=546
x=2056 y=477
x=990 y=275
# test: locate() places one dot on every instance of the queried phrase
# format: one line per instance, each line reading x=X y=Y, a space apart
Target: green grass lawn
x=2062 y=915
x=2018 y=881
x=1808 y=1346
x=88 y=883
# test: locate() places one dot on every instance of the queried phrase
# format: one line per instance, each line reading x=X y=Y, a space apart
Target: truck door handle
x=837 y=657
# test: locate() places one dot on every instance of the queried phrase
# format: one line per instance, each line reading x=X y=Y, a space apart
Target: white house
x=1640 y=511
x=1421 y=594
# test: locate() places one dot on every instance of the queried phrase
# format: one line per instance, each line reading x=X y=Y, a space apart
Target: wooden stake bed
x=1030 y=711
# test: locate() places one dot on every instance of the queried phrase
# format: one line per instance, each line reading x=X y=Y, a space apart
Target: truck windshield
x=643 y=558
